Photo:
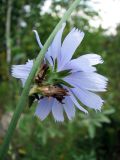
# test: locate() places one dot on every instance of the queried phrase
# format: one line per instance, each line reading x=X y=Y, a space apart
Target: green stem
x=25 y=92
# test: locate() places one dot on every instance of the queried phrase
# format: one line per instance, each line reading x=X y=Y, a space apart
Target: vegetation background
x=88 y=137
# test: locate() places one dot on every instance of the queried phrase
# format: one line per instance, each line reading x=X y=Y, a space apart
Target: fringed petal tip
x=69 y=45
x=93 y=58
x=22 y=71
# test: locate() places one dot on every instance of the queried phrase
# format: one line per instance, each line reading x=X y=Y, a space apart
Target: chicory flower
x=62 y=81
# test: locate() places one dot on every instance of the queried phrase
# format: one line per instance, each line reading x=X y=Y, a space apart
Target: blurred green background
x=88 y=137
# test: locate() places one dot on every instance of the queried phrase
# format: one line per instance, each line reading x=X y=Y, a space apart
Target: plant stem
x=23 y=98
x=8 y=31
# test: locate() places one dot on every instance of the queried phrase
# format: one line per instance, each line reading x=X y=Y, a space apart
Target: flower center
x=48 y=83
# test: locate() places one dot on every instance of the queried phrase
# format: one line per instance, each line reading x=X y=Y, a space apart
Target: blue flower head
x=61 y=80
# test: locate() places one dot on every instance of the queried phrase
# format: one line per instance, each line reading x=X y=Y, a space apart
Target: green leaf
x=60 y=81
x=91 y=130
x=109 y=111
x=105 y=119
x=64 y=73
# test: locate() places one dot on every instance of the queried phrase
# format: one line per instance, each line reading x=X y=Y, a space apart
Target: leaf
x=64 y=83
x=104 y=119
x=109 y=111
x=98 y=124
x=91 y=130
x=64 y=73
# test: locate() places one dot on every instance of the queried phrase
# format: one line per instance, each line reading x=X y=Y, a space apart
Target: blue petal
x=93 y=58
x=70 y=44
x=48 y=56
x=22 y=71
x=44 y=107
x=76 y=102
x=56 y=44
x=57 y=111
x=88 y=98
x=80 y=64
x=55 y=48
x=69 y=108
x=90 y=81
